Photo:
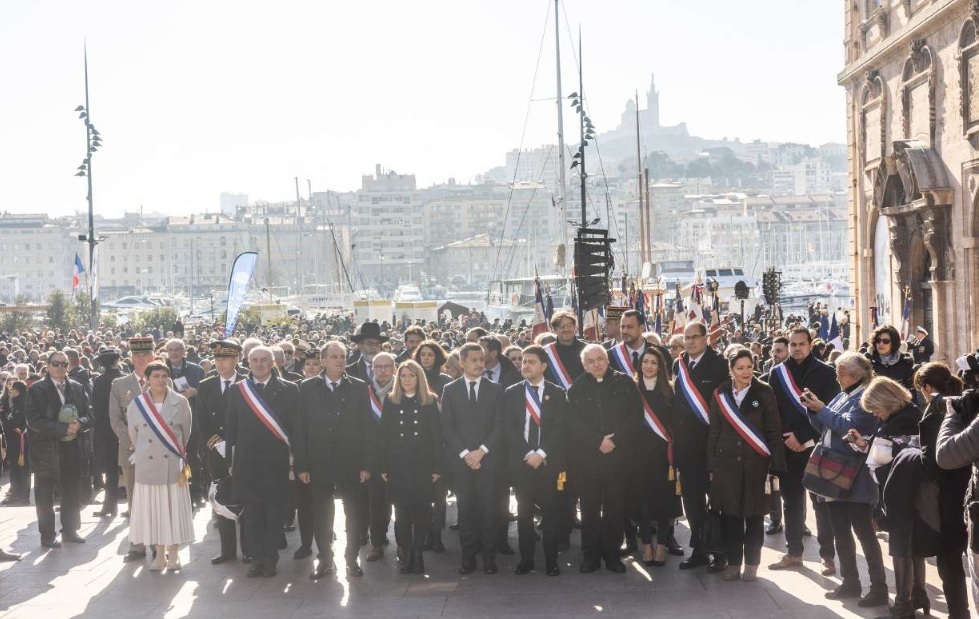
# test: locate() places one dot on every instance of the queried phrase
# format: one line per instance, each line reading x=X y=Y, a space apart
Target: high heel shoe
x=919 y=596
x=659 y=557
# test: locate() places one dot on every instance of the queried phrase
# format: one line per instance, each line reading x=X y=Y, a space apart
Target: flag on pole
x=76 y=275
x=241 y=275
x=824 y=327
x=834 y=336
x=906 y=317
x=539 y=324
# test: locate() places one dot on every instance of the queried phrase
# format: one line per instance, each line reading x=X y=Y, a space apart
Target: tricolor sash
x=741 y=425
x=788 y=385
x=375 y=403
x=653 y=421
x=533 y=403
x=557 y=368
x=160 y=428
x=622 y=359
x=690 y=393
x=262 y=410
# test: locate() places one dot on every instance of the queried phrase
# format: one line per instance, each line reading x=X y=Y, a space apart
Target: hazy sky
x=193 y=98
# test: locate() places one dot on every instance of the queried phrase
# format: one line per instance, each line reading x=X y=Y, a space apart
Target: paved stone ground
x=91 y=580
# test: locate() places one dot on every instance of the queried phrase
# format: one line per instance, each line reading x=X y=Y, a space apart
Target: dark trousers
x=411 y=526
x=743 y=538
x=324 y=513
x=44 y=488
x=20 y=476
x=695 y=484
x=476 y=495
x=302 y=497
x=110 y=467
x=263 y=522
x=794 y=498
x=847 y=519
x=952 y=573
x=228 y=532
x=438 y=513
x=378 y=511
x=537 y=488
x=603 y=512
x=502 y=506
x=198 y=482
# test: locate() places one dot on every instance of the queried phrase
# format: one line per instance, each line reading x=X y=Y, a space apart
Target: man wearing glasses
x=698 y=371
x=57 y=411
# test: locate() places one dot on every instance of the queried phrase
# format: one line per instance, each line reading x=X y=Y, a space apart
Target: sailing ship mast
x=560 y=140
x=642 y=225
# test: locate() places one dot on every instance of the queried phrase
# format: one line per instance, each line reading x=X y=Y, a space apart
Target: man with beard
x=368 y=338
x=789 y=379
x=414 y=336
x=377 y=508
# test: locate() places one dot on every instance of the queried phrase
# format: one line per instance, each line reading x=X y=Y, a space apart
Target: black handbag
x=711 y=536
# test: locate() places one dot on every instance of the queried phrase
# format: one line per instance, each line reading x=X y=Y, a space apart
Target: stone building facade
x=913 y=131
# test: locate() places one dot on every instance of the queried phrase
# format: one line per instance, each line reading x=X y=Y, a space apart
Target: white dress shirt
x=478 y=381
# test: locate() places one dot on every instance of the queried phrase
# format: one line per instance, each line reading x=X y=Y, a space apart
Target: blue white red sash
x=160 y=428
x=375 y=403
x=788 y=385
x=741 y=425
x=533 y=403
x=261 y=410
x=653 y=421
x=622 y=359
x=557 y=368
x=696 y=401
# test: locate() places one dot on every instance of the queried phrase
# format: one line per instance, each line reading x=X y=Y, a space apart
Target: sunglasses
x=883 y=342
x=58 y=364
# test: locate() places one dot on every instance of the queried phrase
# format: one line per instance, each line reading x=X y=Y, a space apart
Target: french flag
x=76 y=275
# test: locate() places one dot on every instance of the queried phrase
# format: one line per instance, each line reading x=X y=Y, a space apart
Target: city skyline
x=194 y=101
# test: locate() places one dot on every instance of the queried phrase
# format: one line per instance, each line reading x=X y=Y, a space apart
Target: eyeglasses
x=883 y=341
x=58 y=364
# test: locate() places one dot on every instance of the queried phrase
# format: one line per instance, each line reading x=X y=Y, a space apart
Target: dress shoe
x=750 y=573
x=554 y=570
x=589 y=566
x=376 y=553
x=302 y=552
x=773 y=528
x=615 y=566
x=52 y=543
x=731 y=573
x=8 y=556
x=786 y=562
x=269 y=571
x=454 y=527
x=489 y=566
x=353 y=569
x=843 y=592
x=674 y=548
x=245 y=559
x=218 y=560
x=125 y=514
x=875 y=597
x=506 y=549
x=323 y=568
x=695 y=560
x=104 y=514
x=289 y=528
x=134 y=555
x=419 y=567
x=717 y=565
x=467 y=567
x=524 y=568
x=72 y=538
x=829 y=567
x=806 y=532
x=255 y=570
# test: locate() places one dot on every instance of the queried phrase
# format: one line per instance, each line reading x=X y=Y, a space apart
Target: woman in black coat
x=657 y=487
x=431 y=357
x=935 y=382
x=411 y=459
x=887 y=359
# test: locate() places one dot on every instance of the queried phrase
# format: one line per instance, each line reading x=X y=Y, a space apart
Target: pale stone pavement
x=91 y=580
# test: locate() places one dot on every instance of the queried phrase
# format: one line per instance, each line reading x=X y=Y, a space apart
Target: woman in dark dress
x=738 y=470
x=411 y=459
x=657 y=487
x=935 y=382
x=431 y=357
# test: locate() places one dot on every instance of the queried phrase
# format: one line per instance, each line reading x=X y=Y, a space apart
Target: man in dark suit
x=804 y=371
x=534 y=413
x=107 y=444
x=259 y=448
x=703 y=370
x=472 y=431
x=921 y=347
x=625 y=356
x=368 y=338
x=414 y=336
x=210 y=410
x=604 y=417
x=334 y=450
x=187 y=377
x=56 y=462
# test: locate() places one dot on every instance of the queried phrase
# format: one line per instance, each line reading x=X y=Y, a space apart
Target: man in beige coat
x=122 y=392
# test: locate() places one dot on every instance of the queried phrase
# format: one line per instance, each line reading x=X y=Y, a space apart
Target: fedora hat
x=370 y=330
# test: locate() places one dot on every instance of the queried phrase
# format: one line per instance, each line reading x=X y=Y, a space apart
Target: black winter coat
x=597 y=409
x=45 y=431
x=410 y=451
x=689 y=432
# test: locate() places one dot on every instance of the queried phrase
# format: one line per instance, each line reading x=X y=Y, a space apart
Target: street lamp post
x=93 y=141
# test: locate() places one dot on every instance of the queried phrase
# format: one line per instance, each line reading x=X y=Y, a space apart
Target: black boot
x=903 y=582
x=919 y=595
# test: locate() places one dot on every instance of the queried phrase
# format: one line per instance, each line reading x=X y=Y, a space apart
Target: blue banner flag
x=241 y=275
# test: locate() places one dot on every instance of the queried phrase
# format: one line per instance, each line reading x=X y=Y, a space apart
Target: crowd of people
x=619 y=438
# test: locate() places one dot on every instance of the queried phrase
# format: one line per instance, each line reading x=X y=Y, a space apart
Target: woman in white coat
x=159 y=427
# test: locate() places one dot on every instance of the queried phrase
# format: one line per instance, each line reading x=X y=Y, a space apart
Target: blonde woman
x=159 y=423
x=411 y=459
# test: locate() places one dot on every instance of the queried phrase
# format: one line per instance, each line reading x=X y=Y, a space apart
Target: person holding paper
x=187 y=378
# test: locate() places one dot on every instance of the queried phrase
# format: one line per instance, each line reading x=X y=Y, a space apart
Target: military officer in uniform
x=210 y=411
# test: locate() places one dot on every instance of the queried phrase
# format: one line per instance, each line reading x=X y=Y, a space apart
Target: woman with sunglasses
x=887 y=358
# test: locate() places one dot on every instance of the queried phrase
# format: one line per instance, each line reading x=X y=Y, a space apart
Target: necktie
x=693 y=364
x=488 y=374
x=61 y=390
x=333 y=386
x=635 y=361
x=260 y=388
x=226 y=383
x=472 y=392
x=533 y=432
